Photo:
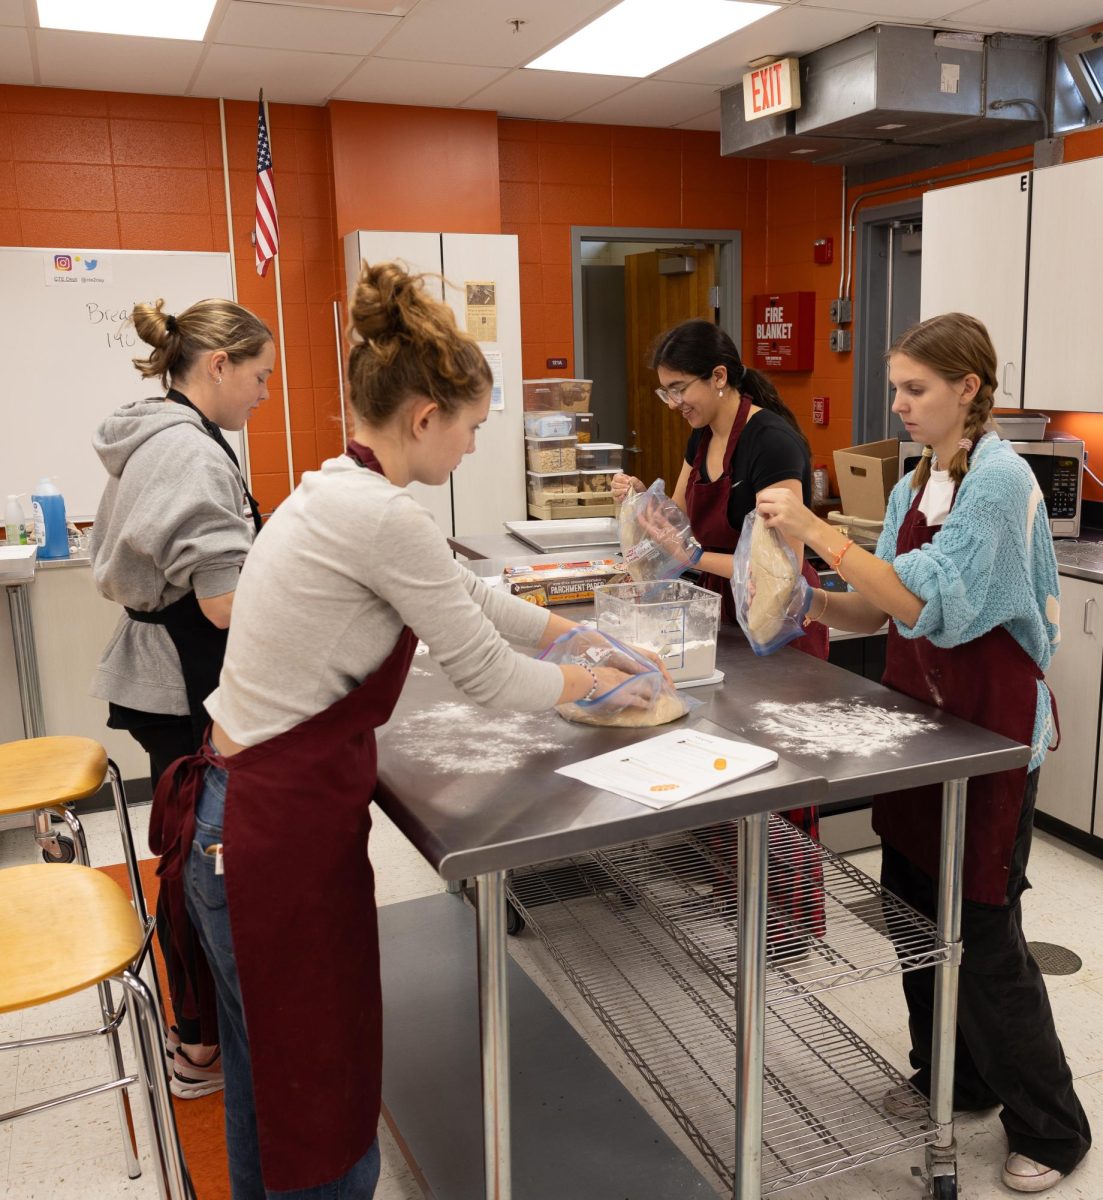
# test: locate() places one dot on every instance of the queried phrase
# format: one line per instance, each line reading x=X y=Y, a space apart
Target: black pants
x=165 y=739
x=1007 y=1049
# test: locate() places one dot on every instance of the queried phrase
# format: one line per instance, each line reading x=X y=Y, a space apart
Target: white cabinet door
x=488 y=487
x=974 y=261
x=1067 y=784
x=1065 y=307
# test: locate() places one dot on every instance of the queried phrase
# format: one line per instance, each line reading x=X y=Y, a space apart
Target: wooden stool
x=66 y=928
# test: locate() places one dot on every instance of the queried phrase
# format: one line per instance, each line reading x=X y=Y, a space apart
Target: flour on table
x=853 y=728
x=460 y=739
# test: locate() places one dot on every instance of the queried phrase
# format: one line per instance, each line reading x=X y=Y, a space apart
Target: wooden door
x=653 y=304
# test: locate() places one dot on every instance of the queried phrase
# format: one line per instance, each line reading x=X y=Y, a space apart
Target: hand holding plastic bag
x=771 y=595
x=646 y=698
x=655 y=536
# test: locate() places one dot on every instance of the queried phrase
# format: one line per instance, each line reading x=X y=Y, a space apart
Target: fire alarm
x=821 y=410
x=823 y=251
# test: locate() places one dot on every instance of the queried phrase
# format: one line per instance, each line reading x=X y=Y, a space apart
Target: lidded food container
x=600 y=455
x=585 y=427
x=551 y=453
x=676 y=619
x=557 y=395
x=552 y=486
x=1014 y=425
x=549 y=424
x=596 y=486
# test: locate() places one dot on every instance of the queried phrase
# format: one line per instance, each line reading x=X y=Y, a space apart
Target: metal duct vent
x=890 y=89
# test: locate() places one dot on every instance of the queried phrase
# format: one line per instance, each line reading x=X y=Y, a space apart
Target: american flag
x=267 y=233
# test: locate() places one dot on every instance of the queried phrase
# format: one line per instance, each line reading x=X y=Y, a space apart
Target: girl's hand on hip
x=781 y=510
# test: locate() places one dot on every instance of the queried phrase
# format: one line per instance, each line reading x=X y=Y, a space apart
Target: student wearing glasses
x=743 y=440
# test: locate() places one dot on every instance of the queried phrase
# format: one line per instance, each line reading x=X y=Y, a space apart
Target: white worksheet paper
x=672 y=767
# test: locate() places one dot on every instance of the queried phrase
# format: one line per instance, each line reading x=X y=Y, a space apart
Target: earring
x=219 y=379
x=720 y=393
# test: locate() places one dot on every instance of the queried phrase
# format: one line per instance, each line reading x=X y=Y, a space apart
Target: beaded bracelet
x=595 y=686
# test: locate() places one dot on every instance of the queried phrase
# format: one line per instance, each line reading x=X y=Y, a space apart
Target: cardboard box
x=563 y=583
x=866 y=475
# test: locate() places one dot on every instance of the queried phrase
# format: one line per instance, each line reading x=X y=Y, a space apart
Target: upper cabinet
x=975 y=241
x=1064 y=324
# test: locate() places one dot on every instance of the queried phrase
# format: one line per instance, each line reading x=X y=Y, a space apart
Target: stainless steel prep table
x=473 y=823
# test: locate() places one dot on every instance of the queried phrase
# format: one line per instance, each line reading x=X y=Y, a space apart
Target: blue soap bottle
x=51 y=530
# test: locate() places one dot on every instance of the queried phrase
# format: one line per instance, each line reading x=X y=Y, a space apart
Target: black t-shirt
x=769 y=450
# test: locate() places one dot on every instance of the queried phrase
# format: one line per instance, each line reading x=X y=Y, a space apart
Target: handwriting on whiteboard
x=118 y=330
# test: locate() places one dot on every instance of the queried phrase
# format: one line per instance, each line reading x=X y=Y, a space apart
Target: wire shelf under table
x=675 y=1021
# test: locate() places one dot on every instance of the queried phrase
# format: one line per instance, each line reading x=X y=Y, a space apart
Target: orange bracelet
x=839 y=556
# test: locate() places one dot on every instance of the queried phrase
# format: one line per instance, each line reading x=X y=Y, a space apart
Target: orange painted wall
x=416 y=169
x=120 y=171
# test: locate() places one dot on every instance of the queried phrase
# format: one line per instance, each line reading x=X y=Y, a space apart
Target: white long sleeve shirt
x=343 y=564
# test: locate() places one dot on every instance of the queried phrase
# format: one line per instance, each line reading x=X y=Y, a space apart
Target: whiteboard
x=67 y=349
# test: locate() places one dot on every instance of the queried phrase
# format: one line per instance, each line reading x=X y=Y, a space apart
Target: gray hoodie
x=170 y=521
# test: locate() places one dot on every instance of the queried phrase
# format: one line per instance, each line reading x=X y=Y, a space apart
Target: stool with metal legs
x=65 y=928
x=45 y=776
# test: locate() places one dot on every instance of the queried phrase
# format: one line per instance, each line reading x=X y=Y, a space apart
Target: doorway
x=629 y=286
x=887 y=273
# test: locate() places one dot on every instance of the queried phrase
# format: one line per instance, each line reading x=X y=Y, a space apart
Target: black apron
x=200 y=645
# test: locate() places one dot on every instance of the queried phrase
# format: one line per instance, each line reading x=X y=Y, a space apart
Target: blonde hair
x=405 y=344
x=207 y=325
x=954 y=345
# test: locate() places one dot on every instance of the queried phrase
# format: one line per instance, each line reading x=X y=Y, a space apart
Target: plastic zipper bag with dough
x=771 y=595
x=655 y=536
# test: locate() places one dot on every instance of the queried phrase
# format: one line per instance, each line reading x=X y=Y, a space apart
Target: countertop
x=475 y=790
x=1081 y=557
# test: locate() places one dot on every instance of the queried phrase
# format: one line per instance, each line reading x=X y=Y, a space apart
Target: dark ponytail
x=698 y=347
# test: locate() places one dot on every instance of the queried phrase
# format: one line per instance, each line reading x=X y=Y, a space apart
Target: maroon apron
x=301 y=897
x=990 y=681
x=707 y=509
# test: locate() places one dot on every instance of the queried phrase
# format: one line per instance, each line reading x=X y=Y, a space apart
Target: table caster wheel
x=66 y=852
x=515 y=923
x=944 y=1187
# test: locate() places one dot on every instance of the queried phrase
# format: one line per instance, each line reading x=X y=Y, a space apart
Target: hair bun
x=384 y=295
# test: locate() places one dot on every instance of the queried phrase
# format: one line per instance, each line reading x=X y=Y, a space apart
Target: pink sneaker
x=190 y=1081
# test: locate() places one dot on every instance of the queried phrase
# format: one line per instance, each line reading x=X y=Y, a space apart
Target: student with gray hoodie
x=172 y=530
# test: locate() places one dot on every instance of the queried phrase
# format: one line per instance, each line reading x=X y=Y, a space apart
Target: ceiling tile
x=545 y=95
x=287 y=76
x=1028 y=16
x=282 y=27
x=393 y=81
x=12 y=12
x=652 y=102
x=15 y=56
x=381 y=7
x=902 y=12
x=710 y=121
x=450 y=30
x=788 y=31
x=114 y=63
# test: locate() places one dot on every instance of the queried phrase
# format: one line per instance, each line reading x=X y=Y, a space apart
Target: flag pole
x=279 y=331
x=245 y=465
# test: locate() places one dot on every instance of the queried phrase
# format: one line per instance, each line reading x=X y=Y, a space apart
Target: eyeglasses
x=672 y=396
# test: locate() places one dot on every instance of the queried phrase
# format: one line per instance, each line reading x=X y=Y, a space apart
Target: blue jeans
x=206 y=899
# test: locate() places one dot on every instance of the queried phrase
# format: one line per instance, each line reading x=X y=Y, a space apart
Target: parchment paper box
x=563 y=583
x=866 y=475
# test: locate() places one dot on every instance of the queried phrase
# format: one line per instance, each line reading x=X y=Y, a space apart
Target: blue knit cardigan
x=991 y=563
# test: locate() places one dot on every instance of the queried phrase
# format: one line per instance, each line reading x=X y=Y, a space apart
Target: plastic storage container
x=600 y=456
x=596 y=486
x=1018 y=426
x=557 y=395
x=551 y=453
x=676 y=619
x=552 y=486
x=585 y=427
x=549 y=424
x=51 y=528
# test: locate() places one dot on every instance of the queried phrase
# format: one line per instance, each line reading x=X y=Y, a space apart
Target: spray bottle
x=51 y=531
x=15 y=523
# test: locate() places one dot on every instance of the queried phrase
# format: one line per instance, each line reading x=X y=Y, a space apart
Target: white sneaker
x=1023 y=1174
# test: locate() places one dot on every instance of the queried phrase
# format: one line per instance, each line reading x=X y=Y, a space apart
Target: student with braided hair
x=965 y=569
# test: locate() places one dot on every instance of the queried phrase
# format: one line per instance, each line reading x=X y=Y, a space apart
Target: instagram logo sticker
x=63 y=262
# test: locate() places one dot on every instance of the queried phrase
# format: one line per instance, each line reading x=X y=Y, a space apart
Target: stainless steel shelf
x=633 y=928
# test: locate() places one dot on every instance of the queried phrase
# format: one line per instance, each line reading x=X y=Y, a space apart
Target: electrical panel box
x=840 y=340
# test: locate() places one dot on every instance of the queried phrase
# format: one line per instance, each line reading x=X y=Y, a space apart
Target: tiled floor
x=44 y=1158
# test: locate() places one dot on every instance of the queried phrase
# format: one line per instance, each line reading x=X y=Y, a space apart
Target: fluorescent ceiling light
x=639 y=37
x=185 y=20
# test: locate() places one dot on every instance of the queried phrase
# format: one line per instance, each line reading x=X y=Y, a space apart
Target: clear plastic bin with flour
x=678 y=620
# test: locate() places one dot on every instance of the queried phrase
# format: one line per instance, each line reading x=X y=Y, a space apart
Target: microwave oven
x=1058 y=466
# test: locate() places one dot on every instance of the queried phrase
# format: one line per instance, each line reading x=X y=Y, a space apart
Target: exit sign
x=772 y=89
